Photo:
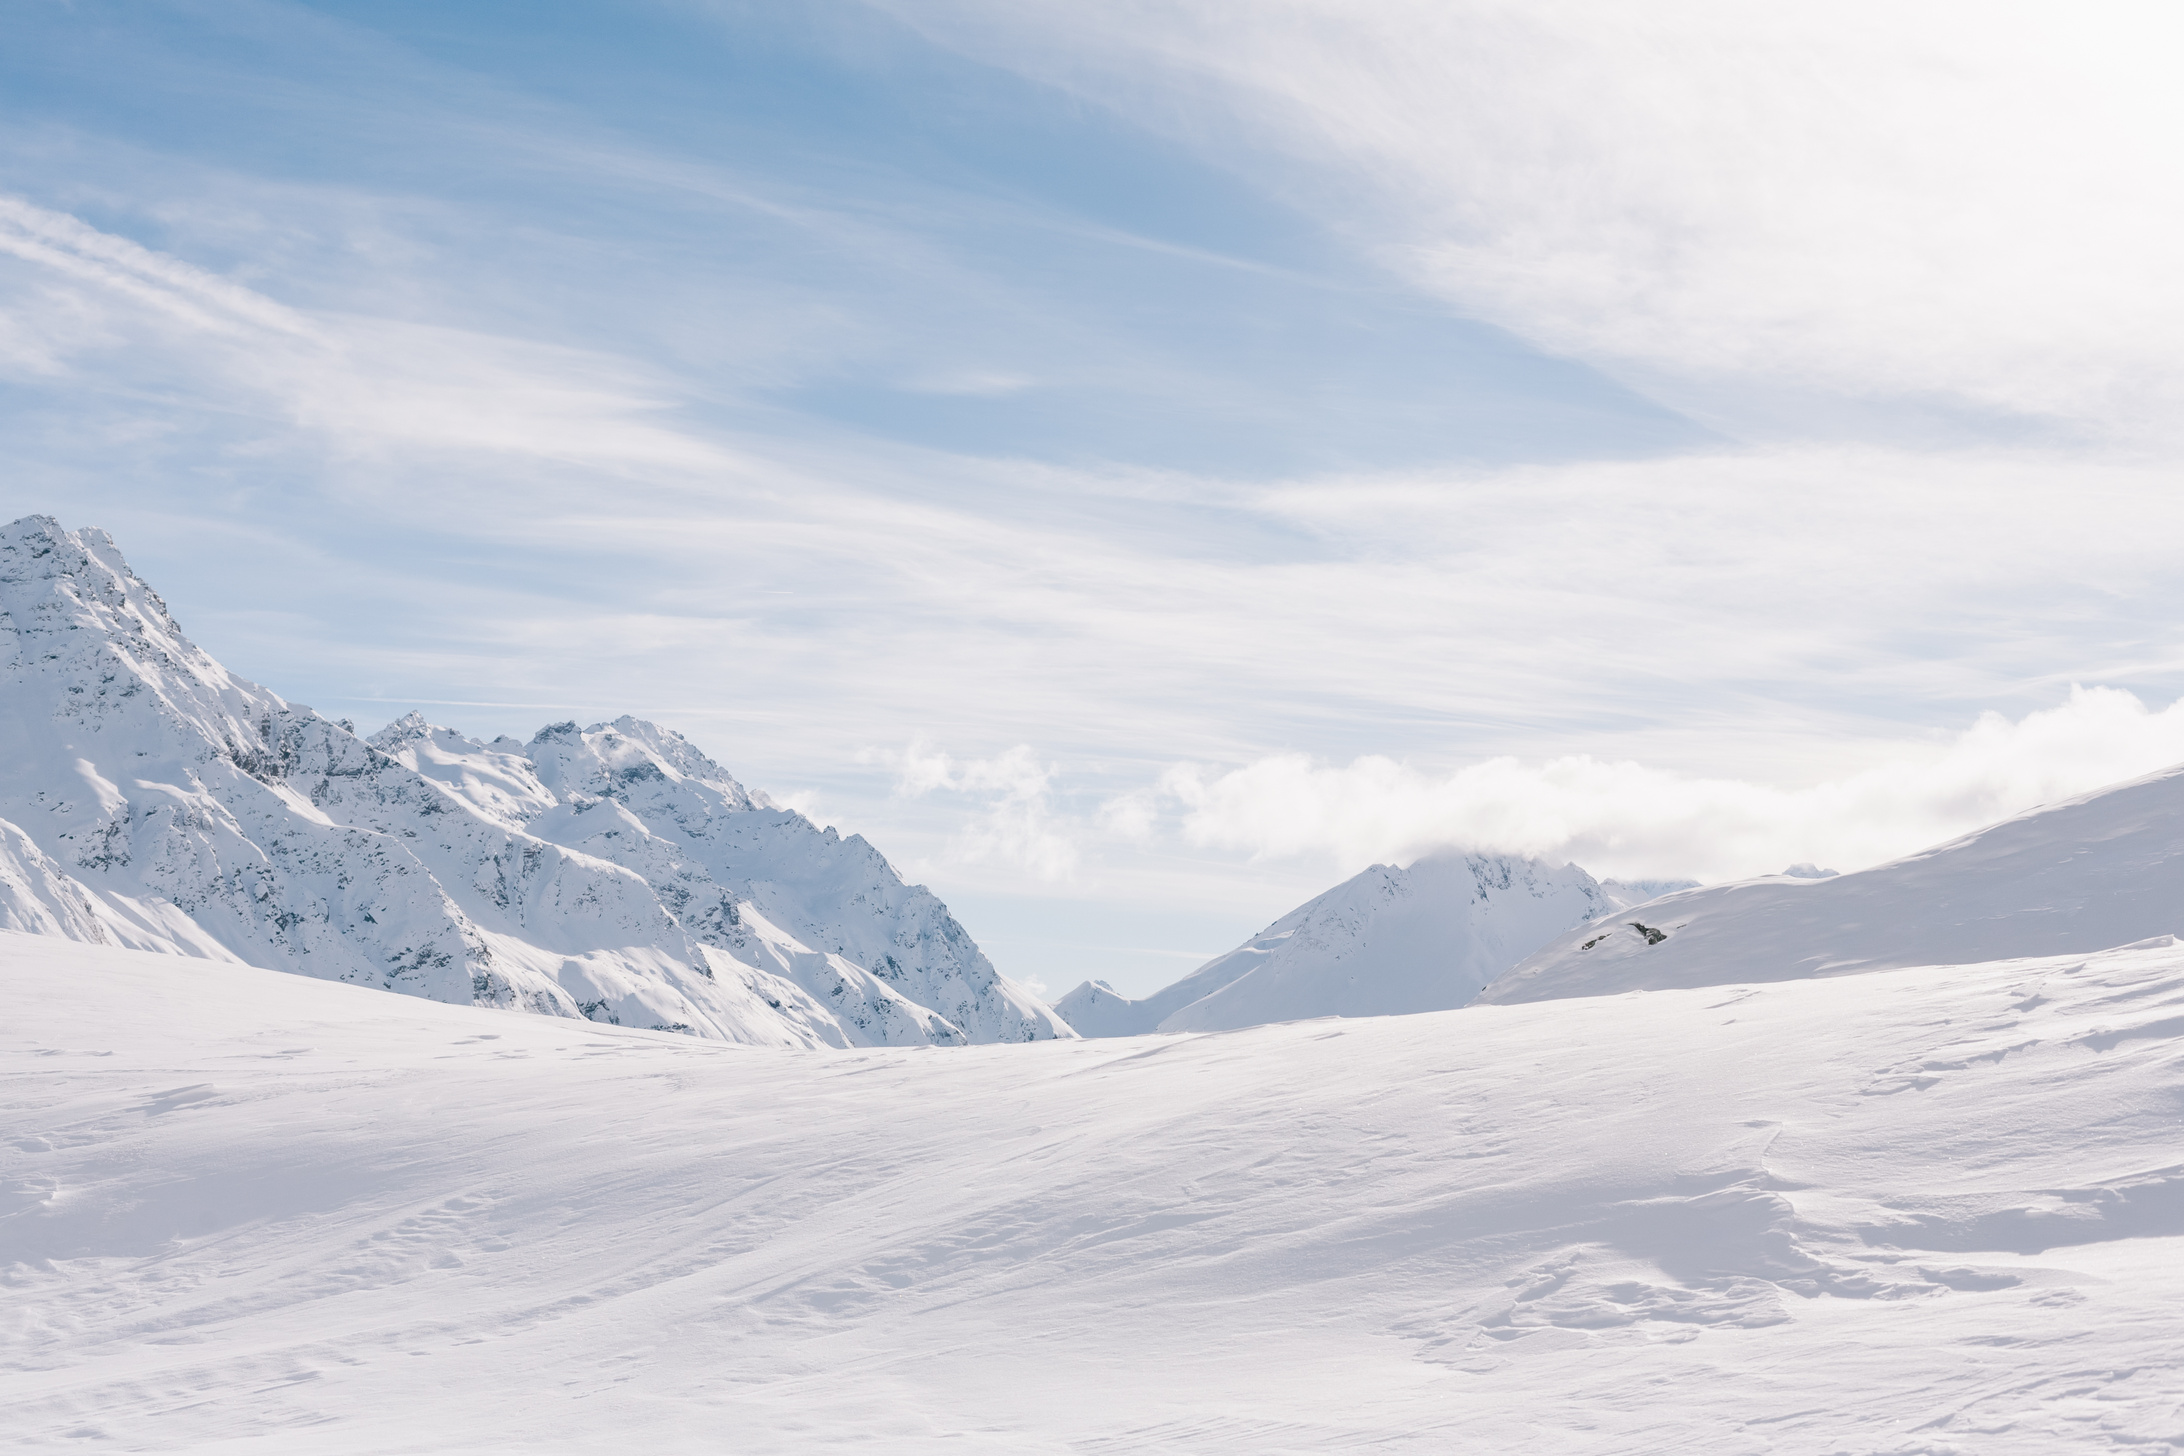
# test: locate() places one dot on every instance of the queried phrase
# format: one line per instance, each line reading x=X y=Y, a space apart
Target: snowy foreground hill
x=151 y=799
x=2100 y=870
x=1386 y=942
x=1924 y=1210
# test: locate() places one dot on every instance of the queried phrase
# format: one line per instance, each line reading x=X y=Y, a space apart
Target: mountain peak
x=35 y=526
x=155 y=799
x=1388 y=940
x=408 y=727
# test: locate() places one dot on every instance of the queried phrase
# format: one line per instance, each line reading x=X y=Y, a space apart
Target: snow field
x=1929 y=1210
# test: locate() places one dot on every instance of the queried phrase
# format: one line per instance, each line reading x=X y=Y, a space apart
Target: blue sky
x=1141 y=463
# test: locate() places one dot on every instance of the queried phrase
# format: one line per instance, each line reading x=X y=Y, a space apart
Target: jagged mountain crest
x=159 y=801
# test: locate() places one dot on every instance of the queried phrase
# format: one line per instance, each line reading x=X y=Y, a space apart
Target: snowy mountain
x=1919 y=1211
x=152 y=799
x=1385 y=942
x=2102 y=870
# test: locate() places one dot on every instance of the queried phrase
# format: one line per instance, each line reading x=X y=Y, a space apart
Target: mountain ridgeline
x=1388 y=941
x=152 y=799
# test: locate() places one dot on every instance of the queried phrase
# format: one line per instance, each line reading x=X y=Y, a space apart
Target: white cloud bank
x=1015 y=824
x=1622 y=818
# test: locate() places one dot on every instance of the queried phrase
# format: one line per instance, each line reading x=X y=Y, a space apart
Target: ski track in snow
x=1926 y=1210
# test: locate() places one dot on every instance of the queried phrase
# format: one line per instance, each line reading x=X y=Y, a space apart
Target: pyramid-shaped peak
x=607 y=757
x=48 y=549
x=682 y=757
x=35 y=524
x=35 y=548
x=405 y=729
x=68 y=593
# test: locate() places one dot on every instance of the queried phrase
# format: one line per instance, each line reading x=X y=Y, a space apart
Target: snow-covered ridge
x=1935 y=1211
x=1388 y=941
x=152 y=799
x=2105 y=869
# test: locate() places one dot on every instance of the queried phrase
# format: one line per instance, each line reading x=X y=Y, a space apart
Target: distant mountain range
x=152 y=799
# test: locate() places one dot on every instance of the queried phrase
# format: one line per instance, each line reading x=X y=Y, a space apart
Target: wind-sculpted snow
x=1387 y=942
x=154 y=800
x=2100 y=870
x=1934 y=1210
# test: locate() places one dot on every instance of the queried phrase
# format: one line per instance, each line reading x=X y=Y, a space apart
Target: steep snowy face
x=642 y=797
x=152 y=799
x=639 y=762
x=496 y=779
x=2103 y=870
x=38 y=898
x=159 y=784
x=839 y=897
x=1387 y=942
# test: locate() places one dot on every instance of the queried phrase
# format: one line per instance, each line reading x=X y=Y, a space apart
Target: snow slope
x=761 y=883
x=1921 y=1211
x=1385 y=942
x=38 y=898
x=152 y=799
x=2100 y=870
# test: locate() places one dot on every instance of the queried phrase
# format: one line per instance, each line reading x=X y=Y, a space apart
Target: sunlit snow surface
x=1928 y=1210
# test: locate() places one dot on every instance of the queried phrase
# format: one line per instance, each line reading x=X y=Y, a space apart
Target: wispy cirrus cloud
x=99 y=307
x=69 y=249
x=1944 y=211
x=1775 y=609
